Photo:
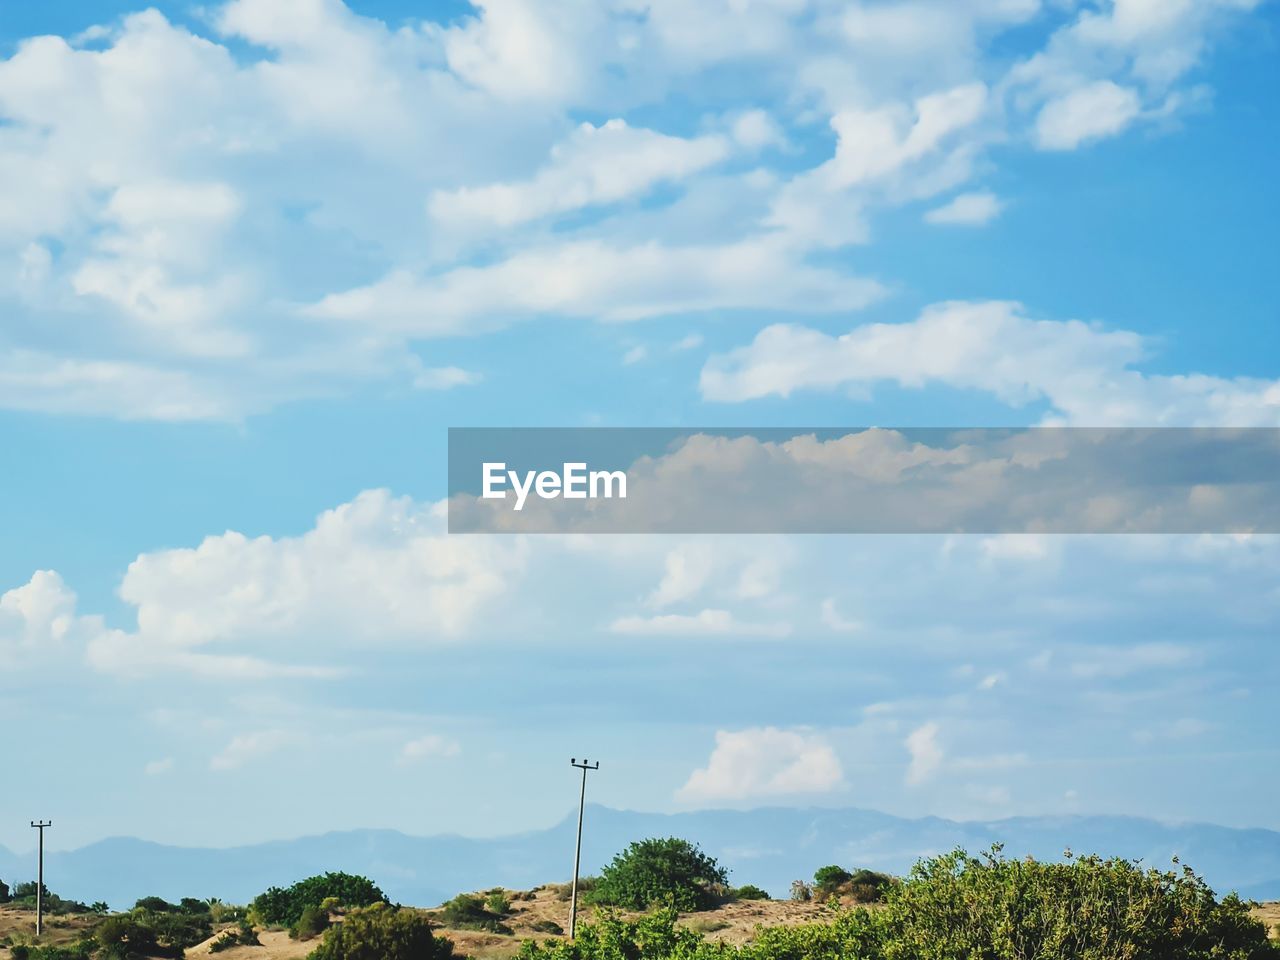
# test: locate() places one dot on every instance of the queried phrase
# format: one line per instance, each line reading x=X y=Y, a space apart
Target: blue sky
x=256 y=257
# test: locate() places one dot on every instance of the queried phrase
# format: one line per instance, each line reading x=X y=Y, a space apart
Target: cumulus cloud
x=162 y=188
x=1086 y=373
x=764 y=762
x=379 y=569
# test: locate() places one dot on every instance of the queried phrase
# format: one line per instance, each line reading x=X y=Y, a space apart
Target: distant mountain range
x=769 y=847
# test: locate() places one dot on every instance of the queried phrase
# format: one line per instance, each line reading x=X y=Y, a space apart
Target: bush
x=801 y=891
x=750 y=891
x=313 y=922
x=468 y=912
x=283 y=906
x=827 y=880
x=958 y=907
x=497 y=902
x=547 y=926
x=125 y=937
x=869 y=886
x=383 y=933
x=4 y=892
x=243 y=935
x=81 y=951
x=666 y=872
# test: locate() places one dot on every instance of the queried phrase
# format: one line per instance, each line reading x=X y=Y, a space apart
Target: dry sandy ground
x=733 y=922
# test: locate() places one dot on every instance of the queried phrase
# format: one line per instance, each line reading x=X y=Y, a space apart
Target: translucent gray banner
x=864 y=480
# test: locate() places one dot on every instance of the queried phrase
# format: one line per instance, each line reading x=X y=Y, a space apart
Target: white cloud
x=428 y=746
x=444 y=378
x=596 y=165
x=379 y=569
x=704 y=623
x=168 y=199
x=926 y=753
x=1101 y=109
x=590 y=279
x=635 y=355
x=249 y=747
x=834 y=621
x=1083 y=371
x=762 y=762
x=967 y=209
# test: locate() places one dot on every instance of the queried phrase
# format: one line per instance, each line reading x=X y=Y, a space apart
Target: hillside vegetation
x=663 y=899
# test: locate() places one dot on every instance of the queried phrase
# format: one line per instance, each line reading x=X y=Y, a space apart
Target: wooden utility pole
x=584 y=766
x=40 y=825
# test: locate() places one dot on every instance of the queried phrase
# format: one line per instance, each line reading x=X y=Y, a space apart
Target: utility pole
x=584 y=766
x=40 y=825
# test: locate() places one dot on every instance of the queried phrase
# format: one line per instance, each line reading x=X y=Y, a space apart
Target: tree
x=381 y=932
x=283 y=906
x=661 y=872
x=827 y=880
x=4 y=892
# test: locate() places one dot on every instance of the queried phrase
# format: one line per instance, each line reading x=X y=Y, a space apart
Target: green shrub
x=869 y=886
x=827 y=880
x=242 y=935
x=154 y=904
x=801 y=891
x=80 y=951
x=750 y=891
x=497 y=902
x=125 y=937
x=383 y=933
x=958 y=907
x=547 y=926
x=654 y=937
x=313 y=922
x=466 y=911
x=665 y=872
x=283 y=906
x=961 y=906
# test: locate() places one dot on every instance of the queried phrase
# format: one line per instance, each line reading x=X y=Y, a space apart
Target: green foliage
x=283 y=906
x=958 y=907
x=24 y=895
x=749 y=891
x=383 y=933
x=661 y=872
x=154 y=904
x=466 y=911
x=1087 y=908
x=125 y=937
x=827 y=880
x=242 y=935
x=4 y=892
x=80 y=951
x=869 y=886
x=547 y=926
x=496 y=902
x=653 y=937
x=312 y=922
